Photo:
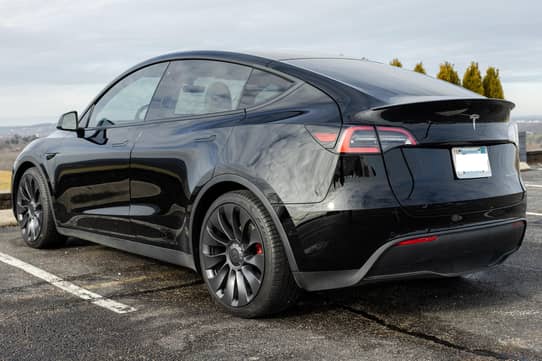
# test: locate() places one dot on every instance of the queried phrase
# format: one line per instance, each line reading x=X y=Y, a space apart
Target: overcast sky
x=57 y=54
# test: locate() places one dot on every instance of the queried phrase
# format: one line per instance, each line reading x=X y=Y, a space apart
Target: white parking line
x=534 y=214
x=533 y=185
x=56 y=281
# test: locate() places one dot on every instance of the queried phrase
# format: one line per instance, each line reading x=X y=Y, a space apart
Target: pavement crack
x=424 y=336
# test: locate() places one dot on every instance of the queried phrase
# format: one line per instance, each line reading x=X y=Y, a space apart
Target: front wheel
x=242 y=257
x=33 y=209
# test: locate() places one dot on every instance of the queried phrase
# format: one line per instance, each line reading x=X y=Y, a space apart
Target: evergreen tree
x=492 y=84
x=472 y=79
x=448 y=73
x=396 y=62
x=419 y=68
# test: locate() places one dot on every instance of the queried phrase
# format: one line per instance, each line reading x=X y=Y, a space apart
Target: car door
x=92 y=174
x=188 y=124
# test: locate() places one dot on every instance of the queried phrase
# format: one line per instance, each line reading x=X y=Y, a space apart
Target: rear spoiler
x=438 y=109
x=442 y=101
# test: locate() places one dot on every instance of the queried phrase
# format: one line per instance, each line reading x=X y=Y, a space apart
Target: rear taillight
x=364 y=139
x=361 y=139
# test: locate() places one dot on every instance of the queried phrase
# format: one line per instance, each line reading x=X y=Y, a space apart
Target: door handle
x=120 y=144
x=206 y=139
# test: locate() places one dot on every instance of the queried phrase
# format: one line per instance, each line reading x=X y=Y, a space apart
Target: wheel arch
x=21 y=166
x=226 y=183
x=16 y=178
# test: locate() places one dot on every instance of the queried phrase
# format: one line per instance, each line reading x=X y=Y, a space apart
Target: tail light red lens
x=326 y=136
x=364 y=139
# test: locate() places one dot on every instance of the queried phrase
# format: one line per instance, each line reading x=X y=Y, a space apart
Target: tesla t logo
x=474 y=118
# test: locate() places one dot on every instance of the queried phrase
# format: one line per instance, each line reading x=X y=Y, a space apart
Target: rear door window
x=194 y=87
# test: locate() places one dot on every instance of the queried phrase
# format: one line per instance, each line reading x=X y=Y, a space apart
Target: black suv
x=272 y=174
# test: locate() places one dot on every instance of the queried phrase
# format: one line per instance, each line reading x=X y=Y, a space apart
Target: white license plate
x=471 y=162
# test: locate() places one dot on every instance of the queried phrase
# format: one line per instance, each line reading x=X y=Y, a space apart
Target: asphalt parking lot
x=496 y=314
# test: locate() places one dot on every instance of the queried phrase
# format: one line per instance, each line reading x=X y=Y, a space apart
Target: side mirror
x=69 y=121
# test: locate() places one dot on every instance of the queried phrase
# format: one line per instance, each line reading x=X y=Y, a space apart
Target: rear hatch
x=464 y=158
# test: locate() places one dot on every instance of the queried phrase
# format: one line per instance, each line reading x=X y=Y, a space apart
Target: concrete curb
x=6 y=218
x=5 y=200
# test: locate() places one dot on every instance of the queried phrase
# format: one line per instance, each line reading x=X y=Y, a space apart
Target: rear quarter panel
x=273 y=147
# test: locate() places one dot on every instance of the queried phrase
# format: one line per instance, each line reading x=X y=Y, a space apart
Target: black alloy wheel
x=242 y=257
x=29 y=208
x=233 y=255
x=33 y=211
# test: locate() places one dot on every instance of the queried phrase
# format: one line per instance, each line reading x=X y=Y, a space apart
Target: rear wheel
x=242 y=258
x=33 y=209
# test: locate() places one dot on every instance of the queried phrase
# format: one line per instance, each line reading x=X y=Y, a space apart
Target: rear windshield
x=384 y=82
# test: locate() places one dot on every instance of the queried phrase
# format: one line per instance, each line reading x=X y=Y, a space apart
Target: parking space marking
x=533 y=185
x=69 y=287
x=534 y=214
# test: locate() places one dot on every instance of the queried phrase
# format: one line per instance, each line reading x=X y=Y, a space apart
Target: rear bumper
x=455 y=251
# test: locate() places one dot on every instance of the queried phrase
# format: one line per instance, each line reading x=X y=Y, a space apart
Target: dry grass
x=7 y=157
x=5 y=181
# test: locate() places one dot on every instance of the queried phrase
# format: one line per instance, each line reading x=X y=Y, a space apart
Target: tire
x=34 y=212
x=246 y=271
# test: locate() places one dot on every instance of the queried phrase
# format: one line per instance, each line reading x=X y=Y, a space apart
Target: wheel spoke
x=26 y=187
x=257 y=261
x=31 y=230
x=22 y=192
x=37 y=228
x=24 y=221
x=253 y=281
x=217 y=281
x=216 y=237
x=24 y=229
x=229 y=289
x=236 y=222
x=210 y=258
x=242 y=294
x=211 y=262
x=246 y=226
x=223 y=222
x=35 y=190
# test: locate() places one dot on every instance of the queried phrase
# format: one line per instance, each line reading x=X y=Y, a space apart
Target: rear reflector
x=417 y=240
x=364 y=139
x=325 y=135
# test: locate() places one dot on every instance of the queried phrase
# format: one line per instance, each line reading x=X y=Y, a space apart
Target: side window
x=192 y=87
x=261 y=87
x=129 y=99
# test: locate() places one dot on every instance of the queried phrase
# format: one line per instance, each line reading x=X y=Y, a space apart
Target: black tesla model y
x=272 y=174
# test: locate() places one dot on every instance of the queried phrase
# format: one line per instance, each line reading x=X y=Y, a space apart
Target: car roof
x=252 y=57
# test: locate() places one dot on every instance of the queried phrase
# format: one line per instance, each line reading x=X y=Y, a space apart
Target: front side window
x=129 y=99
x=194 y=87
